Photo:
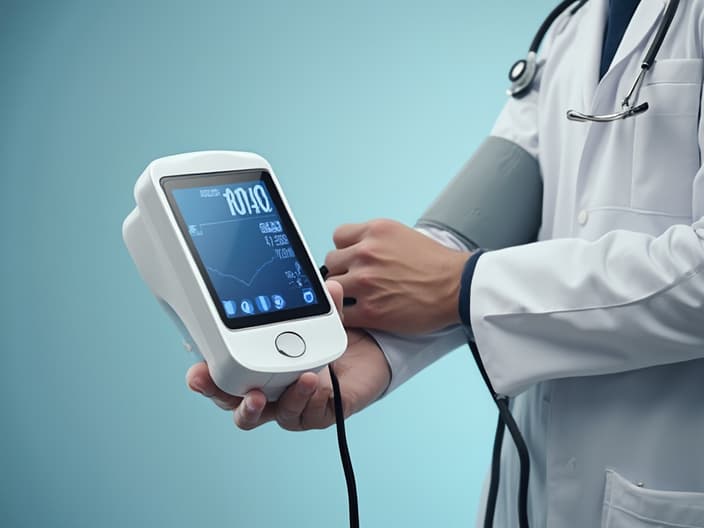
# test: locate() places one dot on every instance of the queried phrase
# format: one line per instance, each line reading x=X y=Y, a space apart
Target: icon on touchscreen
x=308 y=296
x=230 y=308
x=247 y=306
x=263 y=303
x=279 y=301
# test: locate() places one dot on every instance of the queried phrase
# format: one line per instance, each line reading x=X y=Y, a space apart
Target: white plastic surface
x=239 y=360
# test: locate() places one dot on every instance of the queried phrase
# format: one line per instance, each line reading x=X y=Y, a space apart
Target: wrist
x=456 y=263
x=466 y=290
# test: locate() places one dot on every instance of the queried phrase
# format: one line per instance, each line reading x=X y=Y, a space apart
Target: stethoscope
x=523 y=72
x=521 y=75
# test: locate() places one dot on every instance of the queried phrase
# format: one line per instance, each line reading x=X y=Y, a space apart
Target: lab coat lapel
x=642 y=27
x=592 y=34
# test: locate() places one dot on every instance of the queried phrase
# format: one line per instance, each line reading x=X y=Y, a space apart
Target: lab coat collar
x=642 y=26
x=592 y=33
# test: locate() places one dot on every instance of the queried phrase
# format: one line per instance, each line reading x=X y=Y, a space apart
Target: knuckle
x=365 y=279
x=380 y=226
x=328 y=258
x=365 y=251
x=337 y=235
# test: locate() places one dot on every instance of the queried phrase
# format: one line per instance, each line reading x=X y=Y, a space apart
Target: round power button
x=290 y=344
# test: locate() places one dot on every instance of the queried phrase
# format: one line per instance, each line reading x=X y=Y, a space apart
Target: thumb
x=335 y=289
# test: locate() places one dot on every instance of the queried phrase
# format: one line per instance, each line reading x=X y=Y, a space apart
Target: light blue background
x=364 y=109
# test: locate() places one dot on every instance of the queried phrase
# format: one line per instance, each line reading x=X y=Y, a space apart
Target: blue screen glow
x=244 y=248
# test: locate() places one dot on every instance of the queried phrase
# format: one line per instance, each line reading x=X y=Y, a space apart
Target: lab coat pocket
x=629 y=506
x=665 y=145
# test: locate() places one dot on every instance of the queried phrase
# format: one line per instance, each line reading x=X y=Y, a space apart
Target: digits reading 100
x=246 y=202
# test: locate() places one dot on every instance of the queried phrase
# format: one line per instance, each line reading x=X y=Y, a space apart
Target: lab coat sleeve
x=570 y=307
x=408 y=355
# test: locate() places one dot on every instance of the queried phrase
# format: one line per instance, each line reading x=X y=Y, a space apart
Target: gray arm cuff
x=495 y=201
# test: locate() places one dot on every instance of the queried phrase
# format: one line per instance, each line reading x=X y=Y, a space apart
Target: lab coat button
x=290 y=344
x=582 y=217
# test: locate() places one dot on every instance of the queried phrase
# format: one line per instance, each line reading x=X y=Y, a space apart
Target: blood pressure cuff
x=495 y=201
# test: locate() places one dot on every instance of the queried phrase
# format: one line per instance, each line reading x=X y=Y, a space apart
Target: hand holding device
x=402 y=280
x=307 y=404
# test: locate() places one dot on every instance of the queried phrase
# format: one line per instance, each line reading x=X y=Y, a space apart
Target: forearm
x=569 y=307
x=408 y=355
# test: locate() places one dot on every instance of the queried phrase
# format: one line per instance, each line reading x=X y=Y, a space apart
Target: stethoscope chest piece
x=521 y=75
x=518 y=68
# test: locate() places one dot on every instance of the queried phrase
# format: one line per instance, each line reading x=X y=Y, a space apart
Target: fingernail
x=249 y=405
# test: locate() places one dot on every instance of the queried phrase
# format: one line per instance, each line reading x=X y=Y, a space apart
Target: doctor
x=596 y=330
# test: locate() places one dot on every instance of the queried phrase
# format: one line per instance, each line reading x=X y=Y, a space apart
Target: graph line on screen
x=238 y=279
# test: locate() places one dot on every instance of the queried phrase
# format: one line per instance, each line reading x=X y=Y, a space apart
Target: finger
x=352 y=309
x=355 y=314
x=346 y=300
x=350 y=285
x=338 y=260
x=320 y=413
x=336 y=292
x=199 y=380
x=348 y=234
x=253 y=411
x=294 y=400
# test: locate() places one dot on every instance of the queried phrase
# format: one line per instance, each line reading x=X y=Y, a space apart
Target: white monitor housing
x=214 y=239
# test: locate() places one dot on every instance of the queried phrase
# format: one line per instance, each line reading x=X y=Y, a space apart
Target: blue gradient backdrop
x=364 y=108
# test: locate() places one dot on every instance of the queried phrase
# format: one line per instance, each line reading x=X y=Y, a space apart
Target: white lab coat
x=597 y=330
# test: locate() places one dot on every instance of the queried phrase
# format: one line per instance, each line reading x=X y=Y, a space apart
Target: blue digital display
x=254 y=261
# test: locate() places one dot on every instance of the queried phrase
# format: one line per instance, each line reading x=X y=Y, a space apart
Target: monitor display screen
x=246 y=247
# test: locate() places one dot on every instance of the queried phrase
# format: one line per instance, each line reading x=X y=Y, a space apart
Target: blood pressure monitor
x=213 y=237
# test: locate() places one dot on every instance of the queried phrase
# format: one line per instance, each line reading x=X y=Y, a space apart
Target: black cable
x=507 y=419
x=344 y=451
x=342 y=439
x=346 y=301
x=523 y=458
x=495 y=470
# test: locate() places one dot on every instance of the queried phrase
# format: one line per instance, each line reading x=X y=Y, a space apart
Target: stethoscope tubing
x=521 y=83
